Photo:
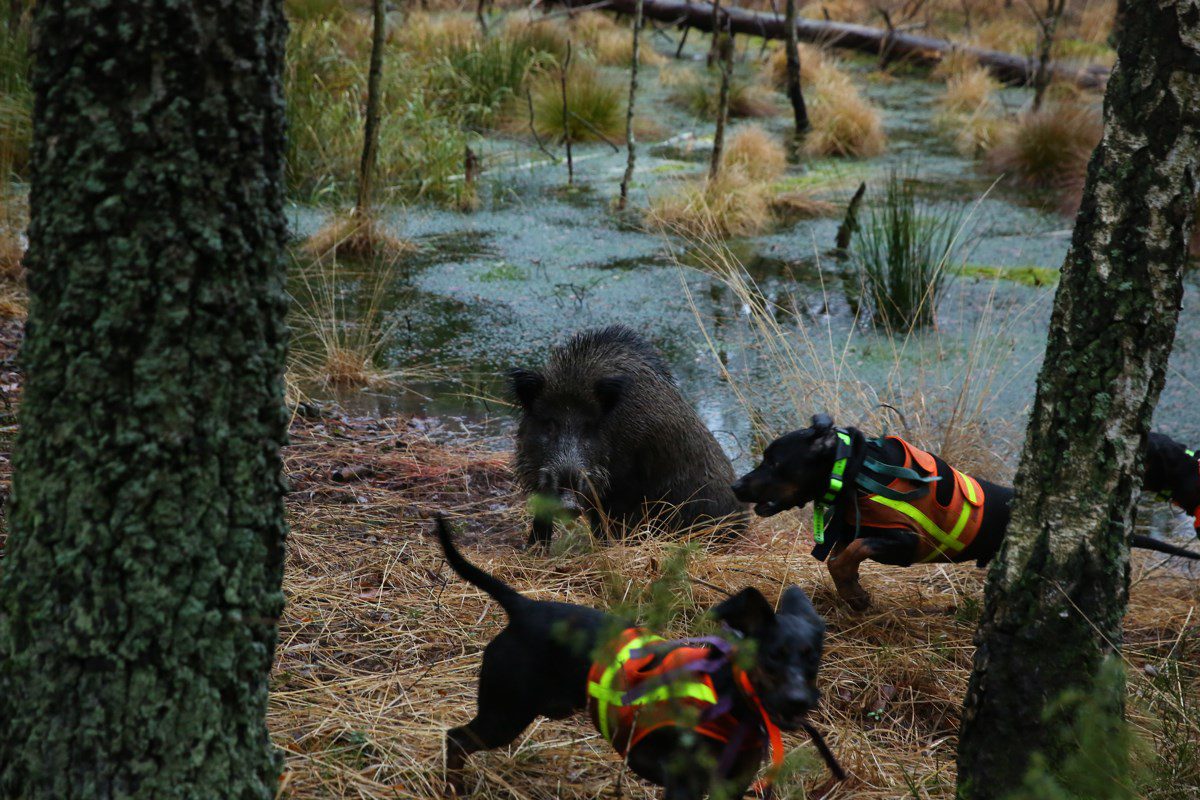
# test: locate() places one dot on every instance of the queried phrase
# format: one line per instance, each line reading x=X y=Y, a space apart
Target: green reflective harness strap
x=873 y=486
x=603 y=692
x=836 y=484
x=946 y=541
x=606 y=695
x=819 y=523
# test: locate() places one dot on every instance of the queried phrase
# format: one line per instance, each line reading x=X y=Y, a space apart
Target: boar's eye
x=609 y=391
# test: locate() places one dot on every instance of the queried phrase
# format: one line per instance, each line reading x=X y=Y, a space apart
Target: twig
x=585 y=123
x=533 y=128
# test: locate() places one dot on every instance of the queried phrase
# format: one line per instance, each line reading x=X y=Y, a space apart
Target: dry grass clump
x=380 y=643
x=744 y=199
x=1096 y=21
x=611 y=43
x=699 y=94
x=542 y=35
x=732 y=204
x=1010 y=34
x=844 y=123
x=1050 y=148
x=353 y=235
x=427 y=36
x=339 y=329
x=814 y=60
x=968 y=91
x=757 y=153
x=968 y=110
x=956 y=62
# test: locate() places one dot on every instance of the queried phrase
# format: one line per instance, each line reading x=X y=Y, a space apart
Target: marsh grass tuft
x=339 y=327
x=596 y=105
x=731 y=204
x=1049 y=149
x=697 y=92
x=356 y=236
x=844 y=123
x=903 y=253
x=759 y=154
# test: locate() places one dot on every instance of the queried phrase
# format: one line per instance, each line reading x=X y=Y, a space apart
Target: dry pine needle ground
x=380 y=643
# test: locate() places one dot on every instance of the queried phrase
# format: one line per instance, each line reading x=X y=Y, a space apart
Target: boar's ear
x=795 y=603
x=526 y=385
x=609 y=391
x=747 y=612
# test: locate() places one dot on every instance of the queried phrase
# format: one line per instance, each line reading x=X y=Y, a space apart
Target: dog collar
x=863 y=480
x=837 y=480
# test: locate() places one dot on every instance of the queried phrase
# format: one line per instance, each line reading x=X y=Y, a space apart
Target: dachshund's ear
x=795 y=603
x=747 y=612
x=822 y=422
x=526 y=385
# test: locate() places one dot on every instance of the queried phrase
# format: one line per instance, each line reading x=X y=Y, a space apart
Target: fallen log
x=912 y=47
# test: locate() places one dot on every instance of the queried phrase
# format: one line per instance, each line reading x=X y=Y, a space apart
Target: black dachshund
x=688 y=715
x=888 y=501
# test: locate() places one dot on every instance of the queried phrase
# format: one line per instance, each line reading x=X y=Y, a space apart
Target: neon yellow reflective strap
x=696 y=690
x=606 y=695
x=946 y=540
x=603 y=691
x=818 y=523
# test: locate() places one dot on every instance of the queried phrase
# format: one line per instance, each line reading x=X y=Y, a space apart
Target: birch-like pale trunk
x=1056 y=594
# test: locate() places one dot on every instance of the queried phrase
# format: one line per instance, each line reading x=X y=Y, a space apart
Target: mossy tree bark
x=141 y=590
x=1057 y=591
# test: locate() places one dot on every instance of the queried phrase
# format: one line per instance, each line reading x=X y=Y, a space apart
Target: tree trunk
x=141 y=590
x=794 y=92
x=1056 y=593
x=633 y=85
x=366 y=169
x=910 y=47
x=725 y=56
x=1047 y=28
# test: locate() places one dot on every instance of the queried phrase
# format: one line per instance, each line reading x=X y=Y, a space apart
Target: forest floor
x=380 y=642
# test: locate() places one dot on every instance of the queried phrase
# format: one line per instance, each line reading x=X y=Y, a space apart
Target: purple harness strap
x=724 y=703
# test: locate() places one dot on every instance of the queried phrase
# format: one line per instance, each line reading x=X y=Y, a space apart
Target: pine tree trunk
x=366 y=169
x=1056 y=594
x=794 y=92
x=141 y=590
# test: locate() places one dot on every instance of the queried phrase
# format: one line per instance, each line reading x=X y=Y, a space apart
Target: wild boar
x=605 y=432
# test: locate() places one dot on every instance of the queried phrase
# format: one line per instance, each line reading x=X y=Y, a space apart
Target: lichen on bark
x=141 y=589
x=1056 y=593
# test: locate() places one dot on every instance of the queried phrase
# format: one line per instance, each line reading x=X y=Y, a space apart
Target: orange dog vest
x=635 y=689
x=944 y=532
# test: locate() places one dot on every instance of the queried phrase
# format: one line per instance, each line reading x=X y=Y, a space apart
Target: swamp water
x=495 y=288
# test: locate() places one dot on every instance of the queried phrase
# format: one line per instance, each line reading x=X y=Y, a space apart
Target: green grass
x=420 y=145
x=1026 y=276
x=475 y=78
x=16 y=96
x=596 y=104
x=746 y=98
x=902 y=253
x=442 y=84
